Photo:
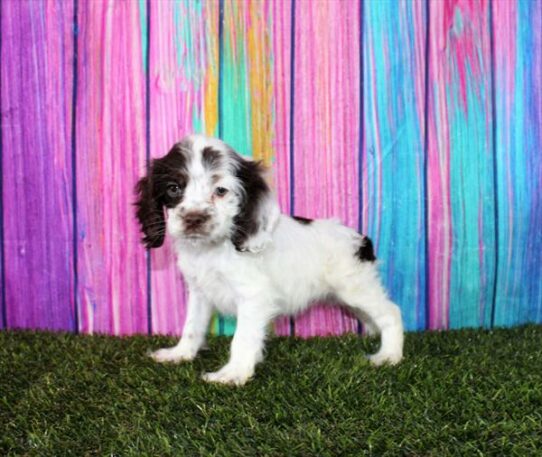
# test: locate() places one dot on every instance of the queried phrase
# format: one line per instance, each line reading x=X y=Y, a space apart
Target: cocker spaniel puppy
x=240 y=256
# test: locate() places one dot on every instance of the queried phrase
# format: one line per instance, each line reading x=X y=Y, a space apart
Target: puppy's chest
x=215 y=284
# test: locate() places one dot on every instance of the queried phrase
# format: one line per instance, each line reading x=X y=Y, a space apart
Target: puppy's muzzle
x=194 y=222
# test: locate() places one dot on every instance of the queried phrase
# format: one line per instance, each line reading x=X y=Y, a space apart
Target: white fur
x=286 y=266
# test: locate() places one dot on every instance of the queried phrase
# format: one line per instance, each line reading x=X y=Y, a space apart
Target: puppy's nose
x=194 y=218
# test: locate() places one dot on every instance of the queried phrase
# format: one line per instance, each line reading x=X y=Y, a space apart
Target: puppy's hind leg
x=369 y=302
x=369 y=326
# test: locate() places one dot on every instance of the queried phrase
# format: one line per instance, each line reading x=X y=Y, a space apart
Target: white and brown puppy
x=240 y=256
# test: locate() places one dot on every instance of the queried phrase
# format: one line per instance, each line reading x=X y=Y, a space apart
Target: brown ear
x=150 y=212
x=258 y=212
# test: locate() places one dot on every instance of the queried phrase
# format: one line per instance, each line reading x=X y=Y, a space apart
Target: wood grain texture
x=393 y=159
x=281 y=30
x=184 y=99
x=326 y=134
x=246 y=79
x=245 y=94
x=460 y=166
x=518 y=95
x=110 y=158
x=3 y=314
x=437 y=158
x=37 y=48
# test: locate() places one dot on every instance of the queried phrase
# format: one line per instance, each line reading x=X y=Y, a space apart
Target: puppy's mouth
x=195 y=234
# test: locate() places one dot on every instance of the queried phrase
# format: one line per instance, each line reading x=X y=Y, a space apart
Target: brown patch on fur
x=211 y=158
x=216 y=178
x=366 y=253
x=302 y=220
x=153 y=196
x=250 y=174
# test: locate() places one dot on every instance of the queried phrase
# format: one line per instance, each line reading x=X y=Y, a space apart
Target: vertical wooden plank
x=235 y=125
x=394 y=157
x=281 y=29
x=37 y=48
x=110 y=157
x=260 y=79
x=3 y=318
x=460 y=166
x=184 y=99
x=517 y=28
x=245 y=86
x=326 y=135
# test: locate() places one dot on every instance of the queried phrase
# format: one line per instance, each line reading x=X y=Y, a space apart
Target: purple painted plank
x=3 y=322
x=37 y=47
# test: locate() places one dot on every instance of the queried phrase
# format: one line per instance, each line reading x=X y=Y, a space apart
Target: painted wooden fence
x=415 y=121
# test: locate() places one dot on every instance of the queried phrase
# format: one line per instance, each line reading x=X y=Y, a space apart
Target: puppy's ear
x=258 y=213
x=150 y=212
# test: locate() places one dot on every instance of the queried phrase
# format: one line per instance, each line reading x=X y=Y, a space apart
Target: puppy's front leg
x=194 y=331
x=246 y=348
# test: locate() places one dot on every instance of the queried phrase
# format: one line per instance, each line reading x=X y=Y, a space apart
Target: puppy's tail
x=366 y=253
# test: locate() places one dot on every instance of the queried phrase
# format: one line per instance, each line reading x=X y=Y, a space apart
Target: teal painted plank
x=460 y=166
x=393 y=154
x=518 y=94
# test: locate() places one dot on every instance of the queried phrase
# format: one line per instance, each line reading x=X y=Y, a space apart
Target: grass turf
x=467 y=392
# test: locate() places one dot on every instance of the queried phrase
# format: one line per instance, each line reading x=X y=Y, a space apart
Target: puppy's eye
x=221 y=191
x=173 y=190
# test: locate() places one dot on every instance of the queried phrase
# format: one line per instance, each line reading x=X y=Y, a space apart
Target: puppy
x=240 y=256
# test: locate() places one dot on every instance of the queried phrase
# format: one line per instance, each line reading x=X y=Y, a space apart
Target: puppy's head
x=202 y=191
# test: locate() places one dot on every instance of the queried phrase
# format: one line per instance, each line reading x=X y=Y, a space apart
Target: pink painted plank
x=438 y=185
x=281 y=24
x=110 y=157
x=326 y=134
x=37 y=50
x=183 y=97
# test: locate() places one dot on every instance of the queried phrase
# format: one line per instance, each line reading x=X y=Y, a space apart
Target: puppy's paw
x=229 y=376
x=257 y=243
x=381 y=358
x=171 y=355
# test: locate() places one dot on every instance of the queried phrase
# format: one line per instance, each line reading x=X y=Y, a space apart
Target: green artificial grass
x=468 y=392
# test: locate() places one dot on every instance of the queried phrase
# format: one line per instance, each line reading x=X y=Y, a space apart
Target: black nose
x=195 y=219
